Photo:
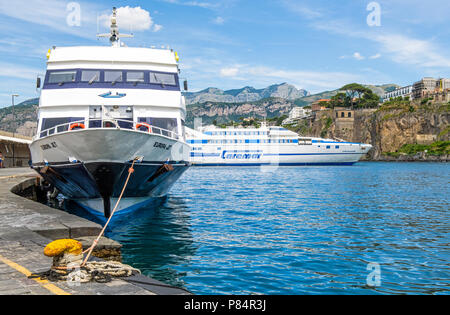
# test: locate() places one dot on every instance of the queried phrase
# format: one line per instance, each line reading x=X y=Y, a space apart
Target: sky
x=315 y=45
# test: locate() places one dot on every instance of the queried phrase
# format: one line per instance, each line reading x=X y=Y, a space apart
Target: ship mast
x=114 y=36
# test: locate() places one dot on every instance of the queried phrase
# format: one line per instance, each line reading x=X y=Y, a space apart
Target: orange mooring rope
x=90 y=249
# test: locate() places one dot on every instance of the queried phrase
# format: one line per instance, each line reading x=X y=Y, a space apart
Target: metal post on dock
x=14 y=129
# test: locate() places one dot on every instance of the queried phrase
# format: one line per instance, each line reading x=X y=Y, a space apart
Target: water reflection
x=155 y=239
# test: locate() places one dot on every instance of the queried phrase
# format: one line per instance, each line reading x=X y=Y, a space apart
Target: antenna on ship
x=114 y=36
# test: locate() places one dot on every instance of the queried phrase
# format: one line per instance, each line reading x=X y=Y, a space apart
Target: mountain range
x=245 y=94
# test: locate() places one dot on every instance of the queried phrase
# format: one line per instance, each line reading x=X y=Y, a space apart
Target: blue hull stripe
x=296 y=154
x=118 y=212
x=280 y=164
x=273 y=154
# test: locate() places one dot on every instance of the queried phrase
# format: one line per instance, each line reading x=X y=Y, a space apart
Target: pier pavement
x=26 y=227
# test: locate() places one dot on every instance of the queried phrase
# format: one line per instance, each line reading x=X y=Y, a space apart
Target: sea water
x=371 y=228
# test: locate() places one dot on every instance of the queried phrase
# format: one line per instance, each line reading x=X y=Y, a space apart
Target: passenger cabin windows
x=90 y=76
x=59 y=77
x=302 y=141
x=99 y=78
x=162 y=78
x=113 y=76
x=135 y=76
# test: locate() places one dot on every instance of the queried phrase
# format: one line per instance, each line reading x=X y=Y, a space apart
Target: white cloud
x=131 y=19
x=219 y=20
x=376 y=56
x=157 y=28
x=229 y=72
x=358 y=56
x=400 y=48
x=201 y=4
x=52 y=14
x=302 y=9
x=257 y=75
x=407 y=50
x=10 y=70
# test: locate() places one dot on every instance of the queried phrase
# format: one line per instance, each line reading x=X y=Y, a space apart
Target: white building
x=405 y=91
x=297 y=113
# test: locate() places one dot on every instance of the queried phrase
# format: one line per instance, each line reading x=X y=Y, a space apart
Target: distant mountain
x=246 y=94
x=24 y=121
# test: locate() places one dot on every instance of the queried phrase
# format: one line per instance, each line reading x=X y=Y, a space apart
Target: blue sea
x=371 y=228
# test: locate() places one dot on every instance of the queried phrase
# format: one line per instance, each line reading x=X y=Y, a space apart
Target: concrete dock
x=26 y=227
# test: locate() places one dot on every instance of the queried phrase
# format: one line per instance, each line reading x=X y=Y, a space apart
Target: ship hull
x=288 y=155
x=91 y=166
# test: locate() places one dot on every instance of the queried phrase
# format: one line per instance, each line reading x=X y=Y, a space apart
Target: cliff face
x=387 y=130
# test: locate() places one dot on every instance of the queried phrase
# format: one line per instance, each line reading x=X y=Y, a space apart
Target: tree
x=339 y=100
x=360 y=96
x=354 y=89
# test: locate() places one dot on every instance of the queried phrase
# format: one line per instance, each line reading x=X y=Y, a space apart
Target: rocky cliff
x=412 y=133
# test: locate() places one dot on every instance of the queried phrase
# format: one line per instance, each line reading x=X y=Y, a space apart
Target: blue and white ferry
x=212 y=146
x=103 y=107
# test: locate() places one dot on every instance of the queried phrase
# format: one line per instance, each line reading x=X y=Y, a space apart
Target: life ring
x=77 y=126
x=144 y=125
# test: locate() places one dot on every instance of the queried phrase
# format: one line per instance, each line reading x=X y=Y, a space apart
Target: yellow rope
x=90 y=249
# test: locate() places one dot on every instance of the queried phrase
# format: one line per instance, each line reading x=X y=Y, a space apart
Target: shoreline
x=410 y=158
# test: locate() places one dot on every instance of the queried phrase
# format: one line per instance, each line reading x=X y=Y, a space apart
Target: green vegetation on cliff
x=437 y=148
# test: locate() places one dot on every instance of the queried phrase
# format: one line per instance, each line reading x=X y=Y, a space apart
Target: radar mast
x=114 y=36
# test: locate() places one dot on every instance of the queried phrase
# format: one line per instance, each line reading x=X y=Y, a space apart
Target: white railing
x=92 y=123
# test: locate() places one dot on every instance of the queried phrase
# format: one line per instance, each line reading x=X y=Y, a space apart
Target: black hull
x=106 y=179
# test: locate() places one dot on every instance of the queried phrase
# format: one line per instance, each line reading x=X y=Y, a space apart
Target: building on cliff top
x=405 y=91
x=319 y=105
x=427 y=87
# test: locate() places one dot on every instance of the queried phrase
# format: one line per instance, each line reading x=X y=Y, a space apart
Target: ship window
x=162 y=78
x=337 y=147
x=48 y=123
x=135 y=76
x=113 y=76
x=62 y=76
x=90 y=76
x=169 y=124
x=328 y=146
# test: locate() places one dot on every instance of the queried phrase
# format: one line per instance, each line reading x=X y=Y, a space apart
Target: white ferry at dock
x=101 y=108
x=212 y=146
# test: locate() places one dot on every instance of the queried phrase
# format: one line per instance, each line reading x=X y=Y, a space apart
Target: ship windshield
x=113 y=76
x=90 y=76
x=62 y=76
x=135 y=76
x=162 y=78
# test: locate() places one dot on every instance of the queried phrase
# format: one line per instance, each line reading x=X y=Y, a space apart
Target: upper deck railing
x=106 y=124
